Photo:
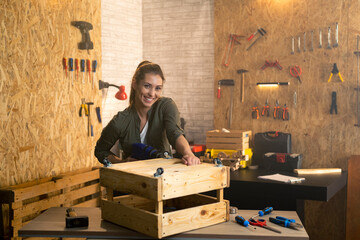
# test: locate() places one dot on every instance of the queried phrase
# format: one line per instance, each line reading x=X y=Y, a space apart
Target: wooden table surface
x=52 y=224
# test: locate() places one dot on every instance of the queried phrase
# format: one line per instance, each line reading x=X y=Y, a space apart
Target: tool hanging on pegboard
x=233 y=39
x=357 y=53
x=231 y=83
x=262 y=33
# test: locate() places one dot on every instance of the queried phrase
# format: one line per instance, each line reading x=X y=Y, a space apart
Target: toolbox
x=234 y=139
x=229 y=157
x=281 y=161
x=164 y=196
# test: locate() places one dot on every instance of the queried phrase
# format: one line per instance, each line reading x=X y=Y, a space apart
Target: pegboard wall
x=325 y=140
x=41 y=133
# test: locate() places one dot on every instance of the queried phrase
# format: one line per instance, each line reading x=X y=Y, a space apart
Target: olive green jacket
x=163 y=130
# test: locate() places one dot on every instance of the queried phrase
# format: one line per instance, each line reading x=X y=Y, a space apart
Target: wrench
x=320 y=39
x=292 y=45
x=312 y=41
x=298 y=44
x=304 y=41
x=336 y=44
x=329 y=40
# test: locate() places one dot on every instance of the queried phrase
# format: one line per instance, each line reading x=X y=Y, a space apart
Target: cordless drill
x=142 y=151
x=84 y=27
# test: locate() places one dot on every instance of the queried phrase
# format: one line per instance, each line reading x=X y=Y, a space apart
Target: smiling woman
x=150 y=119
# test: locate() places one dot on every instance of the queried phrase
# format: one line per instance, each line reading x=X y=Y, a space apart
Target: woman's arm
x=182 y=146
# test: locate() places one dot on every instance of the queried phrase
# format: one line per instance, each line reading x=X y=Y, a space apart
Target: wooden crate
x=165 y=205
x=26 y=201
x=233 y=140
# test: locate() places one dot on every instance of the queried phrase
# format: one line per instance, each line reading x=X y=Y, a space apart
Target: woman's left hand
x=190 y=160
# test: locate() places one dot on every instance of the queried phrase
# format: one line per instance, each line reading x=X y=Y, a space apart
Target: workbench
x=247 y=191
x=52 y=224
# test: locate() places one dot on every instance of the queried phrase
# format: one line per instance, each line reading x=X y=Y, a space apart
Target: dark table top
x=321 y=187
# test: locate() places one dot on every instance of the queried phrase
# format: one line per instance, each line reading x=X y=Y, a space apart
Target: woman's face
x=148 y=90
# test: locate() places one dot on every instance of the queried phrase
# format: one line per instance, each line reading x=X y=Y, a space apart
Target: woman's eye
x=158 y=88
x=147 y=86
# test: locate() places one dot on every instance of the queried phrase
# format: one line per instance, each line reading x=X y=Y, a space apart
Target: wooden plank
x=149 y=171
x=136 y=202
x=227 y=140
x=56 y=201
x=220 y=195
x=109 y=194
x=228 y=146
x=159 y=207
x=196 y=179
x=233 y=133
x=146 y=163
x=44 y=188
x=190 y=201
x=148 y=187
x=130 y=217
x=95 y=202
x=353 y=195
x=193 y=218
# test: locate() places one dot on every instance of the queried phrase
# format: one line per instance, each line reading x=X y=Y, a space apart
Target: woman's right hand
x=114 y=159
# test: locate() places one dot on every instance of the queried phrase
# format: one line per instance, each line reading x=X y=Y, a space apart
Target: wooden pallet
x=24 y=202
x=234 y=140
x=165 y=205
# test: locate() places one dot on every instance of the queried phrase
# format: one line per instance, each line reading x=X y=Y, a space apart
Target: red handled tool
x=276 y=113
x=82 y=69
x=262 y=223
x=233 y=38
x=88 y=69
x=296 y=72
x=285 y=113
x=65 y=66
x=266 y=109
x=77 y=68
x=255 y=112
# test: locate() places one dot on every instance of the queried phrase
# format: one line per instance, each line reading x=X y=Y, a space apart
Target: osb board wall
x=325 y=140
x=41 y=133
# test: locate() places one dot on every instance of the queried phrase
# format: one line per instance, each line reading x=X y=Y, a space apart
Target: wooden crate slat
x=193 y=218
x=227 y=140
x=44 y=188
x=150 y=170
x=136 y=202
x=189 y=183
x=232 y=133
x=147 y=163
x=130 y=217
x=55 y=201
x=95 y=202
x=130 y=183
x=228 y=146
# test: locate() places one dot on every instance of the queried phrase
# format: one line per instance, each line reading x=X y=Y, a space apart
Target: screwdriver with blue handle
x=266 y=211
x=286 y=222
x=240 y=220
x=82 y=69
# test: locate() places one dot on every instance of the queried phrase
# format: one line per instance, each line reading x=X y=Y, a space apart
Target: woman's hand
x=190 y=160
x=114 y=159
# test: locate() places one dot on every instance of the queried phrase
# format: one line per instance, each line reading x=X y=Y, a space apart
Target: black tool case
x=282 y=161
x=277 y=142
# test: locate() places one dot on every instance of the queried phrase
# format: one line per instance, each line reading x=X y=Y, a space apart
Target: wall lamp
x=272 y=84
x=121 y=94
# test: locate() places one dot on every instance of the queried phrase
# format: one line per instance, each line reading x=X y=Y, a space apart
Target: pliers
x=285 y=113
x=335 y=70
x=83 y=106
x=266 y=109
x=276 y=110
x=255 y=112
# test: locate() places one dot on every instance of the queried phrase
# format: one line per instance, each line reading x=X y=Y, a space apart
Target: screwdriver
x=71 y=69
x=82 y=69
x=65 y=66
x=266 y=211
x=289 y=223
x=77 y=68
x=240 y=220
x=88 y=69
x=94 y=64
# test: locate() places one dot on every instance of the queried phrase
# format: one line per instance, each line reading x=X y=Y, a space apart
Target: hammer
x=242 y=71
x=74 y=221
x=90 y=127
x=227 y=82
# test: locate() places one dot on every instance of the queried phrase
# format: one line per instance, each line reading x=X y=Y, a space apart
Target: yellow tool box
x=235 y=159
